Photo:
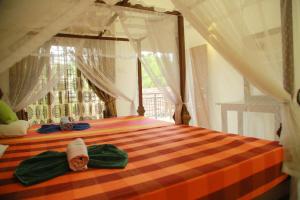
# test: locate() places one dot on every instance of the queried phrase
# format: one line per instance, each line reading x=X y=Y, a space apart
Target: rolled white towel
x=65 y=124
x=77 y=154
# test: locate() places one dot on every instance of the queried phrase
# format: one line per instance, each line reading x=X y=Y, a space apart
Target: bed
x=166 y=161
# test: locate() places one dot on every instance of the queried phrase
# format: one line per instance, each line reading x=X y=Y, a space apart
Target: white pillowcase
x=14 y=129
x=2 y=149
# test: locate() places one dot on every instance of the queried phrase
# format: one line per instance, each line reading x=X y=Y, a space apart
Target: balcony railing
x=157 y=106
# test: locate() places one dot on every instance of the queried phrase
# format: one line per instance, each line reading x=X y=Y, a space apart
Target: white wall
x=225 y=86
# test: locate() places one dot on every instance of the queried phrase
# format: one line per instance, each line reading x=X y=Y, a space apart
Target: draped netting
x=248 y=35
x=104 y=63
x=32 y=78
x=154 y=37
x=159 y=45
x=197 y=86
x=26 y=25
x=90 y=60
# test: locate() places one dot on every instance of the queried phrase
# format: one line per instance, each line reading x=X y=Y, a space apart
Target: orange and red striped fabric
x=166 y=161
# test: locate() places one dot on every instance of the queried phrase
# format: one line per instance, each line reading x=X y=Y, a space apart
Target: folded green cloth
x=51 y=164
x=42 y=167
x=106 y=156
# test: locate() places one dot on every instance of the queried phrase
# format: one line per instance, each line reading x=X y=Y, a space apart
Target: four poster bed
x=166 y=161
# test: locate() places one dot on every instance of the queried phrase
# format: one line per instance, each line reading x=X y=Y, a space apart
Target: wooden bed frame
x=249 y=181
x=279 y=192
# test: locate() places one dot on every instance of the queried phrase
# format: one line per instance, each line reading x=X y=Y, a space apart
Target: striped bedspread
x=166 y=161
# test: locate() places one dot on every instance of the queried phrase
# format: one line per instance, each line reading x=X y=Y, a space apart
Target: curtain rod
x=91 y=37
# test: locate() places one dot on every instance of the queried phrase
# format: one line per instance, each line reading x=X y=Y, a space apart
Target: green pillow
x=6 y=114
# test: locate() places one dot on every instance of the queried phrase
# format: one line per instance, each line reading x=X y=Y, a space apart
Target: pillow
x=14 y=129
x=2 y=149
x=6 y=114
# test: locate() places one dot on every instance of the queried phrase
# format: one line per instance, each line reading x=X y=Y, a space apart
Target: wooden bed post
x=185 y=116
x=49 y=102
x=140 y=109
x=80 y=95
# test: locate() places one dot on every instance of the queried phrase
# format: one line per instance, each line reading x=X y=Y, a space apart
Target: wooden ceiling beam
x=126 y=3
x=90 y=37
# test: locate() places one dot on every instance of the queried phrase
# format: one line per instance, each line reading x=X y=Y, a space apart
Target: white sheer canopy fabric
x=26 y=25
x=91 y=57
x=78 y=17
x=157 y=40
x=197 y=85
x=247 y=34
x=37 y=74
x=32 y=78
x=229 y=24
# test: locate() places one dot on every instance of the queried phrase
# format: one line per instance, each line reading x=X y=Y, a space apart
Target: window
x=71 y=97
x=156 y=105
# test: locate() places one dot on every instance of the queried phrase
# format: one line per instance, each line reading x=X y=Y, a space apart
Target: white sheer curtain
x=89 y=55
x=32 y=78
x=26 y=25
x=197 y=85
x=247 y=34
x=36 y=75
x=156 y=37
